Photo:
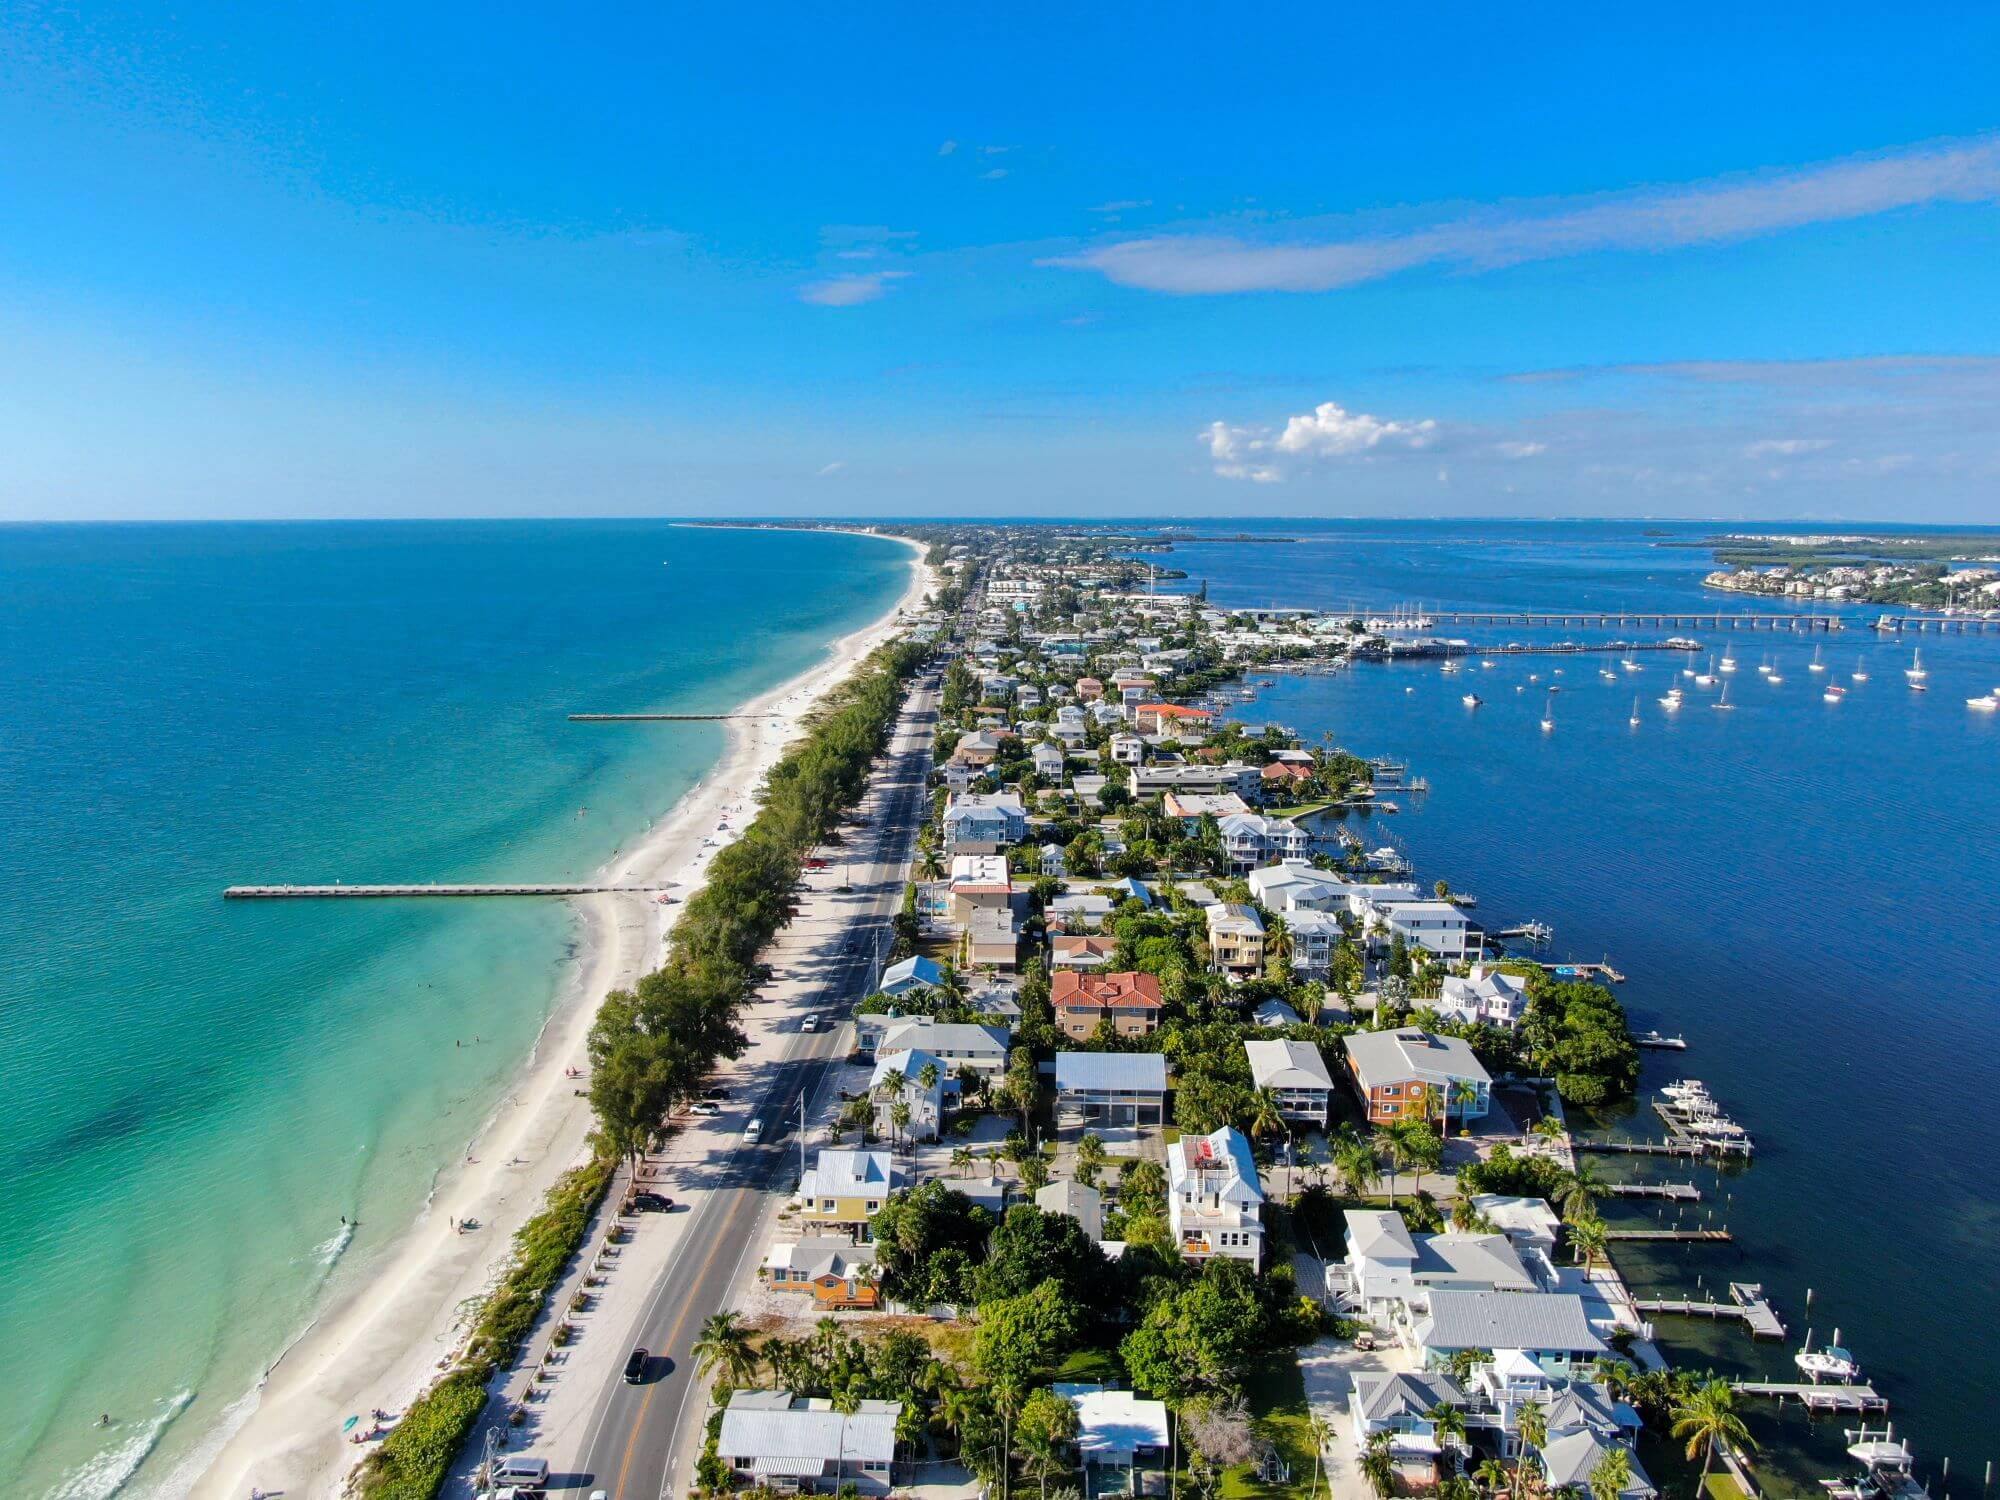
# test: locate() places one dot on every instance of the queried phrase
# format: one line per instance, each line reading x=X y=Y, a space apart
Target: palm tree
x=1612 y=1473
x=724 y=1345
x=961 y=1158
x=1447 y=1424
x=1581 y=1189
x=1462 y=1092
x=930 y=866
x=1389 y=1143
x=958 y=1407
x=1377 y=1467
x=1706 y=1417
x=1588 y=1238
x=1321 y=1434
x=1354 y=1159
x=1267 y=1117
x=1532 y=1428
x=899 y=1119
x=846 y=1401
x=1493 y=1474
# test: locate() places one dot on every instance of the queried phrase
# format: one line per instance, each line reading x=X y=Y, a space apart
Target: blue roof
x=1140 y=1072
x=1131 y=890
x=910 y=974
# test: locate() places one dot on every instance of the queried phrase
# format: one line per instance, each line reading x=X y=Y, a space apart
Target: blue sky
x=508 y=260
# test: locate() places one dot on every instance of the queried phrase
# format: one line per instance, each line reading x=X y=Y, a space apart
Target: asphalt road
x=636 y=1431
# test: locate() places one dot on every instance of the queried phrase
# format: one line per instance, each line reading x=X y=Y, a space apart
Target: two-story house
x=1215 y=1200
x=984 y=822
x=1297 y=1074
x=1251 y=839
x=1235 y=939
x=1483 y=997
x=844 y=1189
x=1130 y=1001
x=1409 y=1074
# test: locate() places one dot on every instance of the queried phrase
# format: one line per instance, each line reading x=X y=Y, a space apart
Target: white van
x=523 y=1475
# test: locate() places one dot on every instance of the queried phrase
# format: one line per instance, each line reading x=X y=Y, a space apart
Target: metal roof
x=1552 y=1321
x=1137 y=1072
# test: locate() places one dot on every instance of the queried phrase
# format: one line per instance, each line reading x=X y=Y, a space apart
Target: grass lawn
x=1723 y=1486
x=1276 y=1392
x=1299 y=811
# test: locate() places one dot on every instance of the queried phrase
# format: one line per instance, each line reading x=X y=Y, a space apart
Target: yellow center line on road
x=639 y=1422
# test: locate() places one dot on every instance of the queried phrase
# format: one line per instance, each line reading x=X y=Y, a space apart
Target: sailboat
x=1816 y=665
x=1764 y=667
x=1635 y=712
x=1672 y=699
x=1834 y=692
x=1860 y=673
x=1723 y=702
x=1706 y=679
x=1915 y=670
x=1630 y=665
x=1728 y=663
x=1549 y=712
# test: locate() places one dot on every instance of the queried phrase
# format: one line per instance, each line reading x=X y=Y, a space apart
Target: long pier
x=1708 y=1235
x=1589 y=619
x=1680 y=1192
x=1748 y=1304
x=1942 y=624
x=1642 y=1148
x=663 y=718
x=362 y=892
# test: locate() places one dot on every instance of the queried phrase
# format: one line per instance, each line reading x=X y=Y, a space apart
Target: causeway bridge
x=1569 y=619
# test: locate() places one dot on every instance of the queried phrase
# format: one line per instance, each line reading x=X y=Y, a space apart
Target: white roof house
x=1297 y=1074
x=1249 y=838
x=1484 y=995
x=926 y=1103
x=776 y=1437
x=1529 y=1222
x=1551 y=1327
x=1080 y=1201
x=1215 y=1197
x=1435 y=926
x=1116 y=1428
x=961 y=1044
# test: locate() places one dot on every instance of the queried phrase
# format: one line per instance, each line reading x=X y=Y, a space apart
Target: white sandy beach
x=384 y=1341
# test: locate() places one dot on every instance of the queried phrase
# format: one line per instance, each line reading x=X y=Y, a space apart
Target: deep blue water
x=1809 y=892
x=192 y=1092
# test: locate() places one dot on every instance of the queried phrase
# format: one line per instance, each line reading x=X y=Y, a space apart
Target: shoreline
x=382 y=1342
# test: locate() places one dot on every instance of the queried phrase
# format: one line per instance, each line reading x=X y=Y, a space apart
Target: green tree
x=1020 y=1337
x=1706 y=1417
x=1047 y=1424
x=725 y=1346
x=1612 y=1473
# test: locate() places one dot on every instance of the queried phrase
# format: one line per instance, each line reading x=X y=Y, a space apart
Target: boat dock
x=1704 y=1235
x=1816 y=1397
x=356 y=892
x=1581 y=971
x=1747 y=1303
x=1680 y=1192
x=1643 y=1148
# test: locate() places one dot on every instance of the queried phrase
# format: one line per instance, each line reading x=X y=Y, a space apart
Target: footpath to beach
x=387 y=1339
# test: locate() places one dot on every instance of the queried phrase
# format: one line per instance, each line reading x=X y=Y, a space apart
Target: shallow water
x=193 y=1093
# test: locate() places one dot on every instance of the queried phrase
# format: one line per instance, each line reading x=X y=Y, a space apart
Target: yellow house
x=844 y=1190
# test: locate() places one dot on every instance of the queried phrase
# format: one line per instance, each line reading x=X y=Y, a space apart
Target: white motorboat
x=1828 y=1363
x=1834 y=693
x=1985 y=703
x=1630 y=665
x=1472 y=700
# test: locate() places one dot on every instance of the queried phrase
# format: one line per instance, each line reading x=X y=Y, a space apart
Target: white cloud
x=829 y=470
x=1521 y=450
x=1328 y=431
x=995 y=175
x=1786 y=447
x=850 y=291
x=1121 y=206
x=947 y=148
x=1718 y=211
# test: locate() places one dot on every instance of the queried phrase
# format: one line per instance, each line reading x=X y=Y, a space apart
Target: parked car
x=652 y=1203
x=810 y=1023
x=635 y=1367
x=754 y=1131
x=704 y=1107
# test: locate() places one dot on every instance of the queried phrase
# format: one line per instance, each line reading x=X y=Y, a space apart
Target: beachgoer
x=105 y=1420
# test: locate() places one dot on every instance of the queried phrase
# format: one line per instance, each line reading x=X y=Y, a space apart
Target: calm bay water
x=1806 y=890
x=193 y=1093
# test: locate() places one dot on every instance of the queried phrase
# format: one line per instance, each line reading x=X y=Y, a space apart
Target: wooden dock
x=1679 y=1192
x=1859 y=1397
x=358 y=892
x=662 y=718
x=1710 y=1236
x=1642 y=1148
x=1747 y=1305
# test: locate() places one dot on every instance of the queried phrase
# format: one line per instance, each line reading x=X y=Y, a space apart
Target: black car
x=635 y=1367
x=652 y=1203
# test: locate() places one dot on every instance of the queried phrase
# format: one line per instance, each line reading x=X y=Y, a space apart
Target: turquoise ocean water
x=192 y=1092
x=1807 y=891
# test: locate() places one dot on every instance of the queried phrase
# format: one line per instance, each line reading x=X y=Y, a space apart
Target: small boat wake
x=329 y=1250
x=110 y=1471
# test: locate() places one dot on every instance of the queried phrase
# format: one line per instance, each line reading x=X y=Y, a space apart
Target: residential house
x=1089 y=689
x=1250 y=839
x=1048 y=762
x=1283 y=778
x=1409 y=1074
x=1297 y=1074
x=1191 y=807
x=1111 y=1089
x=925 y=1101
x=1197 y=777
x=1387 y=1267
x=1274 y=1015
x=959 y=776
x=800 y=1444
x=1215 y=1199
x=1435 y=926
x=979 y=748
x=993 y=938
x=910 y=975
x=1529 y=1223
x=1171 y=720
x=1089 y=789
x=979 y=882
x=1080 y=1201
x=1483 y=997
x=959 y=1044
x=1131 y=1002
x=984 y=822
x=1401 y=1404
x=1069 y=727
x=1127 y=749
x=1552 y=1329
x=1119 y=1432
x=1051 y=860
x=1081 y=950
x=1235 y=939
x=1028 y=696
x=843 y=1189
x=837 y=1273
x=1315 y=938
x=1077 y=911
